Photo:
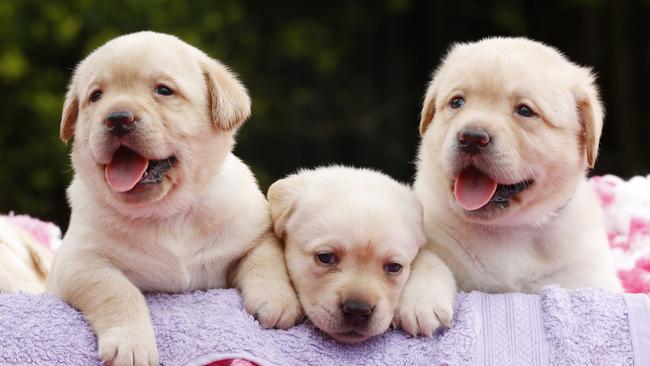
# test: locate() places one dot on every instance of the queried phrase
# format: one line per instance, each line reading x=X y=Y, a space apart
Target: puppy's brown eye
x=163 y=90
x=326 y=258
x=524 y=111
x=392 y=268
x=457 y=102
x=95 y=96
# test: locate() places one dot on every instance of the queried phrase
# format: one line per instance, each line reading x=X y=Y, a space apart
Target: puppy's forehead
x=140 y=56
x=499 y=50
x=503 y=62
x=370 y=228
x=514 y=73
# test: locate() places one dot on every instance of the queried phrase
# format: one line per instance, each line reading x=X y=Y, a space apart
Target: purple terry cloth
x=556 y=327
x=201 y=327
x=589 y=327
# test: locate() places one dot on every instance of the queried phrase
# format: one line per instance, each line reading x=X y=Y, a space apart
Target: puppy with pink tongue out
x=509 y=129
x=159 y=201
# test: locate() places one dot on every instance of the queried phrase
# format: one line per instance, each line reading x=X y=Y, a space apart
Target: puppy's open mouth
x=474 y=190
x=127 y=169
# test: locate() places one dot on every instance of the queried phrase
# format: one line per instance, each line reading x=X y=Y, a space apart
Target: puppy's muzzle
x=120 y=123
x=473 y=141
x=356 y=313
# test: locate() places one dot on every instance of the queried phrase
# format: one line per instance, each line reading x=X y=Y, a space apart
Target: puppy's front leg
x=115 y=308
x=262 y=278
x=427 y=300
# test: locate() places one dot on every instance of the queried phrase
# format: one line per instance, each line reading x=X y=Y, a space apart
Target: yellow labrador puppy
x=509 y=127
x=159 y=202
x=350 y=238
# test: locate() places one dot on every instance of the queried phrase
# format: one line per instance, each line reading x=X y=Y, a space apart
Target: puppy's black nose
x=472 y=140
x=120 y=123
x=356 y=313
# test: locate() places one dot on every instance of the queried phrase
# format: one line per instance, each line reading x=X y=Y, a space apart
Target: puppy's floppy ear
x=428 y=109
x=282 y=196
x=591 y=114
x=229 y=102
x=70 y=114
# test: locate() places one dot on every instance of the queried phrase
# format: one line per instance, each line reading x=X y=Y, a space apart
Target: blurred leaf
x=13 y=65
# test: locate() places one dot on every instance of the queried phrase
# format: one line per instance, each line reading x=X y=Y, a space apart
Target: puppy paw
x=420 y=314
x=274 y=305
x=126 y=346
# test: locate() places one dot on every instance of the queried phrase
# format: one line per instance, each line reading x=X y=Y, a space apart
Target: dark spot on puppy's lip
x=156 y=169
x=505 y=195
x=506 y=192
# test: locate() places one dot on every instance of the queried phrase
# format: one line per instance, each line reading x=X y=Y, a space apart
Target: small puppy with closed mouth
x=350 y=238
x=509 y=128
x=159 y=202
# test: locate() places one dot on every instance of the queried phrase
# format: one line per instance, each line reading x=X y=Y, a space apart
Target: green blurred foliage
x=331 y=81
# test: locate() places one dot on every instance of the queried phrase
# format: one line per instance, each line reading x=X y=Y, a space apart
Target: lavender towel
x=557 y=327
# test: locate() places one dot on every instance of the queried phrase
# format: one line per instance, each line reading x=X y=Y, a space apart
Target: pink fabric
x=627 y=212
x=45 y=232
x=232 y=362
x=605 y=188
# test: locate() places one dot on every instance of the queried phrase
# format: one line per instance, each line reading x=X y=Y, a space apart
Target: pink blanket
x=627 y=210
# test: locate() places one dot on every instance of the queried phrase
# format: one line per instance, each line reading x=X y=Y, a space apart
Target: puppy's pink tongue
x=125 y=169
x=473 y=189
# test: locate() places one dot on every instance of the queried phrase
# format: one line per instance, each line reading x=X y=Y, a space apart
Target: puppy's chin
x=332 y=323
x=146 y=193
x=350 y=337
x=345 y=334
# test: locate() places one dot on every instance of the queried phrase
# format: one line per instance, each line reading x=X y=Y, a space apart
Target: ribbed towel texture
x=557 y=327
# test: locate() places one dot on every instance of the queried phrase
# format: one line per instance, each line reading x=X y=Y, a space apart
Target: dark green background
x=331 y=81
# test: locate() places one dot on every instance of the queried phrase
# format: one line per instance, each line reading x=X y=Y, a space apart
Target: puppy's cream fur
x=365 y=220
x=187 y=232
x=24 y=262
x=550 y=233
